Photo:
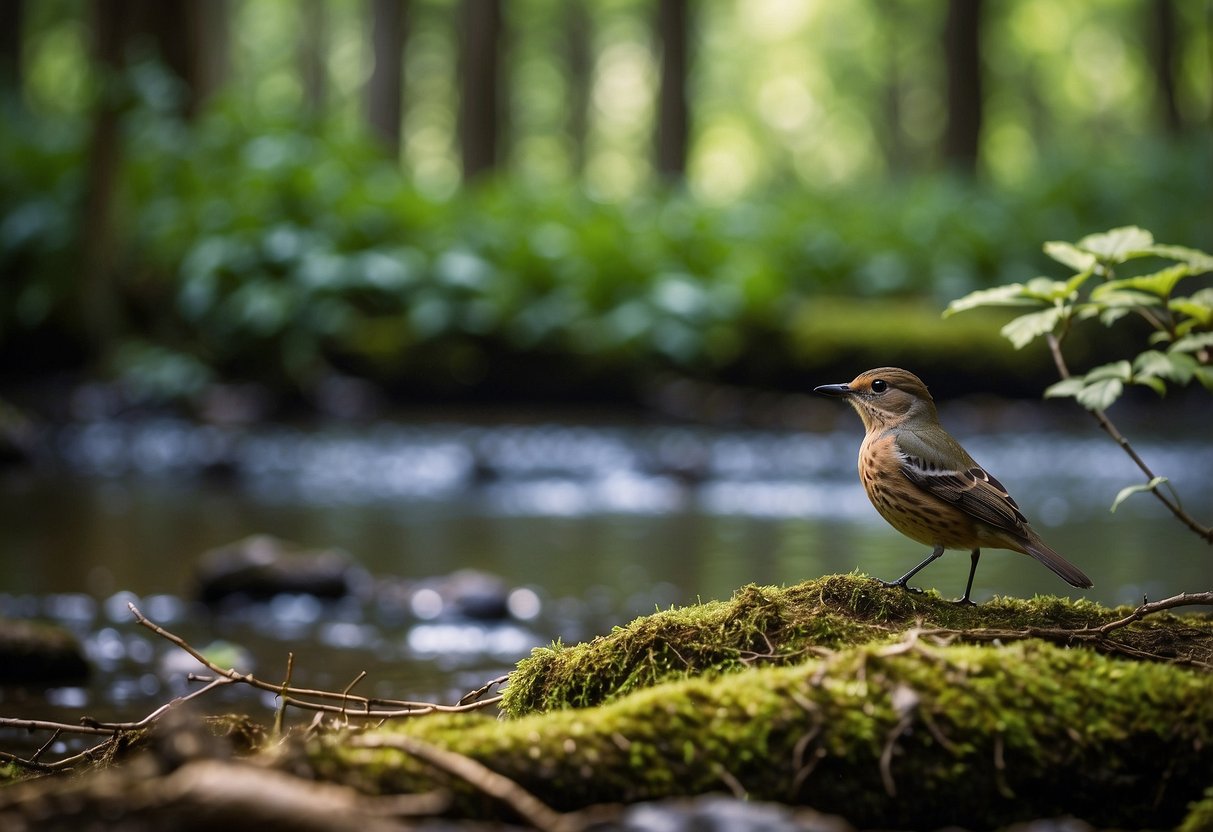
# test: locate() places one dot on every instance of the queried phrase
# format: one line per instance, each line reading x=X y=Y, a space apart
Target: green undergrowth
x=787 y=625
x=903 y=734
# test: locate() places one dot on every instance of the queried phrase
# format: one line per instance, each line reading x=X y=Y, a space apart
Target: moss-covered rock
x=776 y=625
x=38 y=652
x=900 y=735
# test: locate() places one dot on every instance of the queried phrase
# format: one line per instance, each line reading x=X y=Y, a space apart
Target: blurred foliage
x=251 y=249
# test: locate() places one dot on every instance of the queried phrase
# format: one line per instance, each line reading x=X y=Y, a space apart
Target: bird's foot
x=965 y=602
x=901 y=582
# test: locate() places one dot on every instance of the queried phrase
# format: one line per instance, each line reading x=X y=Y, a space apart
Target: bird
x=925 y=485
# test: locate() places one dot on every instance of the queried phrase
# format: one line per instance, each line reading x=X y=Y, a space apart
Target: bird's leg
x=966 y=601
x=901 y=582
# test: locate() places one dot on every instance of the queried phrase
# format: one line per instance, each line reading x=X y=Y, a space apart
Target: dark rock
x=260 y=567
x=37 y=652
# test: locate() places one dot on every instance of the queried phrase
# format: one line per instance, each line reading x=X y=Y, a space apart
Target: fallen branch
x=351 y=705
x=529 y=807
x=1097 y=637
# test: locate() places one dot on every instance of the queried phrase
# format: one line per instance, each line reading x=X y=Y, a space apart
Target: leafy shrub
x=269 y=252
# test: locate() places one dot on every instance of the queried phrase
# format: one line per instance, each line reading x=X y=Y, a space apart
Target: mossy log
x=778 y=625
x=903 y=735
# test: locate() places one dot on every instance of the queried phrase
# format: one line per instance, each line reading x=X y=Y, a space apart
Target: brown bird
x=927 y=486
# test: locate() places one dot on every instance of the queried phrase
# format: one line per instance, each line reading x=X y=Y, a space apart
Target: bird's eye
x=879 y=386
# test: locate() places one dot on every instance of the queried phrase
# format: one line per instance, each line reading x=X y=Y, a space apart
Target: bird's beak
x=836 y=390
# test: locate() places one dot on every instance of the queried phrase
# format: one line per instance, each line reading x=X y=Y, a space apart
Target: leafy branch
x=1180 y=347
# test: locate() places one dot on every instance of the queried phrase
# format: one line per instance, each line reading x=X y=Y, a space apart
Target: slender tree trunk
x=893 y=138
x=962 y=54
x=97 y=226
x=313 y=55
x=192 y=39
x=1163 y=47
x=12 y=16
x=480 y=87
x=579 y=68
x=672 y=110
x=385 y=90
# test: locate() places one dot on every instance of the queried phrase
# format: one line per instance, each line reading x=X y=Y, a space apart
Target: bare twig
x=368 y=708
x=481 y=777
x=1096 y=636
x=1111 y=430
x=1184 y=599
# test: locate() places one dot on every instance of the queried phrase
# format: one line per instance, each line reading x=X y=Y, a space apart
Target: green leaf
x=1100 y=395
x=1204 y=375
x=1198 y=306
x=1047 y=289
x=1197 y=260
x=1115 y=294
x=1111 y=316
x=1129 y=491
x=1121 y=370
x=1100 y=387
x=1156 y=384
x=1152 y=363
x=1010 y=295
x=1026 y=328
x=1193 y=343
x=1158 y=283
x=1066 y=388
x=1069 y=255
x=1118 y=244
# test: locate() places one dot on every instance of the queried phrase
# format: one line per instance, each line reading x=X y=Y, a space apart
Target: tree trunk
x=385 y=90
x=313 y=55
x=962 y=55
x=12 y=14
x=112 y=25
x=672 y=109
x=579 y=68
x=191 y=36
x=480 y=115
x=1163 y=47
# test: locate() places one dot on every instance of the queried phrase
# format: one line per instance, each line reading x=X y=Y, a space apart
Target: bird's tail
x=1065 y=570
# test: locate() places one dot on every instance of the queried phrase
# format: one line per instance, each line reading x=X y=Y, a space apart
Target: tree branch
x=1110 y=428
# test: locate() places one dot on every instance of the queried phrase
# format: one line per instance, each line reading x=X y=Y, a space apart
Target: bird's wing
x=966 y=485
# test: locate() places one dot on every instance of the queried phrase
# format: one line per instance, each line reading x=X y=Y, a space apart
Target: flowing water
x=595 y=523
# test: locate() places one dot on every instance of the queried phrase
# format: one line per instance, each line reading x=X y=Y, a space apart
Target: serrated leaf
x=1198 y=306
x=1047 y=289
x=1199 y=261
x=1121 y=370
x=1193 y=343
x=1101 y=395
x=1010 y=295
x=1153 y=382
x=1026 y=328
x=1113 y=294
x=1075 y=282
x=1159 y=283
x=1116 y=245
x=1129 y=491
x=1070 y=255
x=1152 y=363
x=1066 y=388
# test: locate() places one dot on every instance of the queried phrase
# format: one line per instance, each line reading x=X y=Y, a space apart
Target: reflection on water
x=602 y=523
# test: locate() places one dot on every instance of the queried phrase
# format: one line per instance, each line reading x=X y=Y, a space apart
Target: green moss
x=777 y=625
x=906 y=735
